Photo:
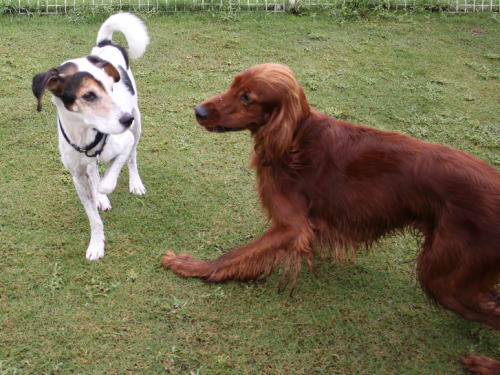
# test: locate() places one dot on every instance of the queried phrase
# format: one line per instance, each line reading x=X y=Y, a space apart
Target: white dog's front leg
x=135 y=183
x=120 y=147
x=103 y=202
x=86 y=192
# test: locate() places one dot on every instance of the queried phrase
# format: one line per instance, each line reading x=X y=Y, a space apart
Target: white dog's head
x=82 y=89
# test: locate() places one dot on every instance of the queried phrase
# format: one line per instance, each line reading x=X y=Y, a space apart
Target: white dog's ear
x=106 y=65
x=112 y=72
x=50 y=80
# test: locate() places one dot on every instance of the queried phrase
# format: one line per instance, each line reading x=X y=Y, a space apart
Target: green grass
x=433 y=76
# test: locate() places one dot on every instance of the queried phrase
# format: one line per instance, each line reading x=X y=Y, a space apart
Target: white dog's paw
x=136 y=187
x=107 y=185
x=95 y=252
x=103 y=202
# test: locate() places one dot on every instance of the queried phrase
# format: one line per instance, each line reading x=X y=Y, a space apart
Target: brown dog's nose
x=201 y=112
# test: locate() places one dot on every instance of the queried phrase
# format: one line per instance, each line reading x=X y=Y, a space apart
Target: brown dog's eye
x=245 y=98
x=89 y=97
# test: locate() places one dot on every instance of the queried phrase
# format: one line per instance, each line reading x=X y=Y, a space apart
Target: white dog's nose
x=126 y=120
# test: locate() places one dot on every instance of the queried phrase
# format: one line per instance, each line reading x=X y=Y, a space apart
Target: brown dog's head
x=265 y=99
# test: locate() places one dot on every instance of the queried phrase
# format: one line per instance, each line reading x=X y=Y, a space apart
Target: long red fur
x=330 y=184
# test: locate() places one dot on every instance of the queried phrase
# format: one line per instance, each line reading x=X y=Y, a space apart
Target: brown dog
x=332 y=184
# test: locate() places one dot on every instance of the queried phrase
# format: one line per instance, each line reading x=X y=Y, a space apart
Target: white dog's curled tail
x=132 y=27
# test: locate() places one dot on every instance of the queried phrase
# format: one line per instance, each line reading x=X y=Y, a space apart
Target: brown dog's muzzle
x=201 y=112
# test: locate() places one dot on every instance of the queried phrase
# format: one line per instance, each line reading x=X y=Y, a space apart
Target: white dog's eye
x=90 y=96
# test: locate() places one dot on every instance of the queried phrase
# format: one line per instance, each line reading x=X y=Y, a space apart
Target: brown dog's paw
x=489 y=303
x=185 y=265
x=168 y=259
x=481 y=365
x=173 y=261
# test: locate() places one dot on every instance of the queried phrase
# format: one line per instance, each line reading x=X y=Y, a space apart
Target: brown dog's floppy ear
x=276 y=135
x=50 y=80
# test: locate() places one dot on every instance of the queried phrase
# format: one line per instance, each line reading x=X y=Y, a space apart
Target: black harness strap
x=85 y=150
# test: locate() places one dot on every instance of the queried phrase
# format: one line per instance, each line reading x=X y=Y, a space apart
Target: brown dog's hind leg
x=460 y=289
x=460 y=271
x=464 y=283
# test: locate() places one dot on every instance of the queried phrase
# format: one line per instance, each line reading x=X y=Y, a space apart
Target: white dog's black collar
x=85 y=150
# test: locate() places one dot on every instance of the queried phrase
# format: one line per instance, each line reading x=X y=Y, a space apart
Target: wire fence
x=67 y=6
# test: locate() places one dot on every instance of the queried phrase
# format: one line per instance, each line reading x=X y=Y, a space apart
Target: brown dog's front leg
x=253 y=261
x=481 y=365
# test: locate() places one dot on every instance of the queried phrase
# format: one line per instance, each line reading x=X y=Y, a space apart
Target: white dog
x=98 y=117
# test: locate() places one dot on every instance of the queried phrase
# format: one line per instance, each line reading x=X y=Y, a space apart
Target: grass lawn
x=433 y=76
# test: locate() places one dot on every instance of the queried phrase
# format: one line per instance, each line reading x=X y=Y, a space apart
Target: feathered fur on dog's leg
x=278 y=246
x=253 y=261
x=286 y=242
x=480 y=365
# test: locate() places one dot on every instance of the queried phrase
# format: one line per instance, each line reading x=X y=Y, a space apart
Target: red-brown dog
x=332 y=184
